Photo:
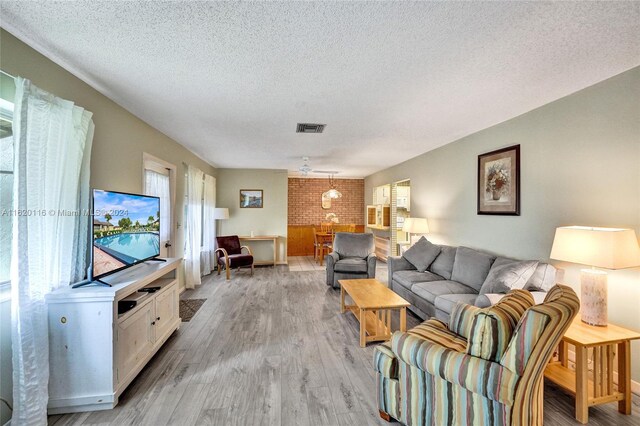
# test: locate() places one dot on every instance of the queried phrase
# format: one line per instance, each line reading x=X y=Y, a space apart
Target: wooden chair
x=321 y=245
x=326 y=226
x=351 y=227
x=230 y=255
x=316 y=244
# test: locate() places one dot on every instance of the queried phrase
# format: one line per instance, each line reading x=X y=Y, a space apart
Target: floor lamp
x=610 y=248
x=220 y=213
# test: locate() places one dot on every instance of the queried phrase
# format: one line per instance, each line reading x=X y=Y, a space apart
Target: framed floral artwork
x=499 y=182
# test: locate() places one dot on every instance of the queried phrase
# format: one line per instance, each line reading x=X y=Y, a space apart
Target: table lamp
x=610 y=248
x=415 y=225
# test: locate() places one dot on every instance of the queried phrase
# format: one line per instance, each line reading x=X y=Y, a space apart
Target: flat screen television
x=126 y=231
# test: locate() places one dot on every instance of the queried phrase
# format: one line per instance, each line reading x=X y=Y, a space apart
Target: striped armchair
x=484 y=368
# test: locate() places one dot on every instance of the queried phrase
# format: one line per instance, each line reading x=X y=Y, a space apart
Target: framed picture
x=499 y=182
x=251 y=199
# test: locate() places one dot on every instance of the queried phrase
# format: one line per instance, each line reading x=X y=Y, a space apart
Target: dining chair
x=326 y=226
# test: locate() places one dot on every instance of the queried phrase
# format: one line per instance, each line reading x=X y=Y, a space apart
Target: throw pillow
x=505 y=277
x=493 y=327
x=471 y=267
x=543 y=278
x=422 y=254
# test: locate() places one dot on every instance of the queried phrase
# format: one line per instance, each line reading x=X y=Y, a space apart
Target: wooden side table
x=274 y=241
x=598 y=345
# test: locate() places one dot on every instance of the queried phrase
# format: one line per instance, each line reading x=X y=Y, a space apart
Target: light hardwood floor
x=273 y=350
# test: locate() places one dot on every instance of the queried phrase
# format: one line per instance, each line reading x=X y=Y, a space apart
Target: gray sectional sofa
x=462 y=274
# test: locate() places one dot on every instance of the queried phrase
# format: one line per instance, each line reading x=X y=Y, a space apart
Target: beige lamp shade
x=610 y=248
x=221 y=213
x=415 y=225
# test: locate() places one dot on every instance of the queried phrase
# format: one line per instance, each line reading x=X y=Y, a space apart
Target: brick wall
x=305 y=206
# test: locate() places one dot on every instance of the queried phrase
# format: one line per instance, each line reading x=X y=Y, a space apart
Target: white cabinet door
x=135 y=340
x=166 y=310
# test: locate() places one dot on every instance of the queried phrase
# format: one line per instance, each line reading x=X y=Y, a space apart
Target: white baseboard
x=635 y=386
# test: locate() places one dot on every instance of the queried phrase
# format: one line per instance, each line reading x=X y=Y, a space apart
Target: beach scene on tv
x=126 y=230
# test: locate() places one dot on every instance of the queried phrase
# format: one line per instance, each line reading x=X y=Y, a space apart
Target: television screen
x=126 y=230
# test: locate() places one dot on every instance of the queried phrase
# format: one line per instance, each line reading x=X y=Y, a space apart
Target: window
x=6 y=188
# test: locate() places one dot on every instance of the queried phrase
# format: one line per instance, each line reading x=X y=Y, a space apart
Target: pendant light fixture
x=332 y=192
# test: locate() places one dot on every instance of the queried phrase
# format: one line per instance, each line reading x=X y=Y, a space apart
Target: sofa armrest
x=371 y=265
x=331 y=260
x=397 y=263
x=486 y=378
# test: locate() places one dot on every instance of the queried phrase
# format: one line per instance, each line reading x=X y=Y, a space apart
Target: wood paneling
x=300 y=239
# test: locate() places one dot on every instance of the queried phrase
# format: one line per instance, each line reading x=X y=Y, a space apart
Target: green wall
x=580 y=165
x=269 y=220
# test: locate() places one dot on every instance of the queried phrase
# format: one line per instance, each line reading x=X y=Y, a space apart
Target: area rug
x=189 y=307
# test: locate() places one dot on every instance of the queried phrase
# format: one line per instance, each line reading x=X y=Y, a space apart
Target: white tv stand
x=94 y=353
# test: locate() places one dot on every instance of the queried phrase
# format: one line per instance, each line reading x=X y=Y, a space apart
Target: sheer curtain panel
x=208 y=225
x=158 y=185
x=52 y=140
x=193 y=231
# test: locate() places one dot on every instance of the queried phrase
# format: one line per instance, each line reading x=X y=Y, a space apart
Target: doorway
x=400 y=210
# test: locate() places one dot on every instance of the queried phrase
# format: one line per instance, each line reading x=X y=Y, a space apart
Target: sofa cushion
x=443 y=264
x=422 y=254
x=430 y=290
x=543 y=278
x=351 y=264
x=408 y=278
x=236 y=260
x=471 y=267
x=448 y=301
x=505 y=277
x=493 y=327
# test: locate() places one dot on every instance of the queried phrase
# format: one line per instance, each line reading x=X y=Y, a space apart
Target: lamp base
x=593 y=297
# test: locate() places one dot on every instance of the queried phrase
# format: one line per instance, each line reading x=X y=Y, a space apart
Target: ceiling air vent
x=309 y=128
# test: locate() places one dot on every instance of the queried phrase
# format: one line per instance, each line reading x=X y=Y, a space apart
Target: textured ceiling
x=391 y=80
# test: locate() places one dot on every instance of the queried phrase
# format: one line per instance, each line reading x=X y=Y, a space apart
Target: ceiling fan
x=305 y=169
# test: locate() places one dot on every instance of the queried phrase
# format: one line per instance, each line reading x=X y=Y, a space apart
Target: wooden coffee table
x=373 y=303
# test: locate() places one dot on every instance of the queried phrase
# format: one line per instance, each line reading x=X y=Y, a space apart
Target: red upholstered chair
x=230 y=254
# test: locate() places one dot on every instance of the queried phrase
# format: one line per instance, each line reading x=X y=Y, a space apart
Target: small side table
x=597 y=344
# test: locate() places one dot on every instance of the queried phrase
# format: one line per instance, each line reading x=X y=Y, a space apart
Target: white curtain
x=193 y=227
x=52 y=142
x=208 y=225
x=157 y=184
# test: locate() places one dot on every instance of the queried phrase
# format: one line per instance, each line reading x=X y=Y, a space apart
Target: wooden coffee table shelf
x=598 y=345
x=373 y=303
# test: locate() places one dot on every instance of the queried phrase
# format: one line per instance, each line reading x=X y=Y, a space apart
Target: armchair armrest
x=397 y=263
x=331 y=259
x=224 y=254
x=248 y=249
x=486 y=378
x=223 y=251
x=371 y=265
